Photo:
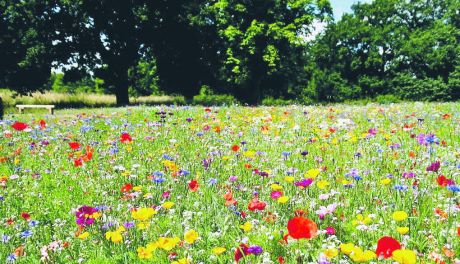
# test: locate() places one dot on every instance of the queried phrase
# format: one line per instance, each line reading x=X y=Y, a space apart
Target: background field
x=370 y=160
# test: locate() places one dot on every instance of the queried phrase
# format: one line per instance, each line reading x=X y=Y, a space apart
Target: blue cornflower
x=212 y=181
x=26 y=234
x=159 y=180
x=400 y=187
x=5 y=238
x=453 y=188
x=11 y=258
x=33 y=223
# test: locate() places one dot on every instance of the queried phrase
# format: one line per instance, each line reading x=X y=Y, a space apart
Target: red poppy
x=207 y=110
x=127 y=187
x=235 y=148
x=386 y=245
x=74 y=145
x=300 y=227
x=193 y=185
x=241 y=251
x=78 y=162
x=255 y=204
x=19 y=126
x=281 y=260
x=442 y=181
x=42 y=124
x=125 y=138
x=25 y=216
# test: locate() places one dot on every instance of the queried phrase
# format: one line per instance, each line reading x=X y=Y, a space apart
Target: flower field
x=300 y=184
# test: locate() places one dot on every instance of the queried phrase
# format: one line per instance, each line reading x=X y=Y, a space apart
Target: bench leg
x=20 y=110
x=52 y=111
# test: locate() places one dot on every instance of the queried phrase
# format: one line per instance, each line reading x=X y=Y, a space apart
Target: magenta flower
x=330 y=230
x=304 y=182
x=84 y=215
x=434 y=166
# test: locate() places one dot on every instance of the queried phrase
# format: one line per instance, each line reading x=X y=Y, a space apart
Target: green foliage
x=427 y=89
x=208 y=98
x=387 y=99
x=144 y=79
x=270 y=101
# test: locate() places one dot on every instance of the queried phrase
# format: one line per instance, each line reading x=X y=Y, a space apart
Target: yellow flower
x=84 y=235
x=218 y=250
x=312 y=173
x=346 y=182
x=167 y=243
x=137 y=188
x=181 y=261
x=144 y=253
x=400 y=216
x=283 y=199
x=142 y=225
x=276 y=187
x=246 y=227
x=249 y=154
x=190 y=236
x=152 y=246
x=362 y=220
x=289 y=179
x=385 y=181
x=357 y=255
x=322 y=184
x=143 y=214
x=403 y=230
x=404 y=256
x=115 y=236
x=331 y=252
x=347 y=248
x=168 y=205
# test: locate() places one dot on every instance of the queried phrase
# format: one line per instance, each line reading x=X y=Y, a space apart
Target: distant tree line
x=247 y=49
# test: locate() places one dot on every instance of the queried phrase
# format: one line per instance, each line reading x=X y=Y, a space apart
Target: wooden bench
x=49 y=107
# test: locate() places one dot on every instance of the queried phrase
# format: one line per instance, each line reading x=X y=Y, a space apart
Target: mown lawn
x=211 y=185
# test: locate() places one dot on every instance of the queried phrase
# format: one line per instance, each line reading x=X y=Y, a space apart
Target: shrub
x=426 y=89
x=270 y=101
x=387 y=99
x=208 y=98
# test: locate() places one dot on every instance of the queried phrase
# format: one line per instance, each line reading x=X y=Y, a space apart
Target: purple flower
x=372 y=131
x=304 y=182
x=434 y=166
x=408 y=175
x=233 y=178
x=84 y=215
x=256 y=250
x=128 y=225
x=427 y=139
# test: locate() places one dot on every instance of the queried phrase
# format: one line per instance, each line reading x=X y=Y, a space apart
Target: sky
x=339 y=8
x=343 y=6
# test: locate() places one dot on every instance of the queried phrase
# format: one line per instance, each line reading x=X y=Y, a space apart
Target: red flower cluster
x=19 y=126
x=300 y=227
x=386 y=245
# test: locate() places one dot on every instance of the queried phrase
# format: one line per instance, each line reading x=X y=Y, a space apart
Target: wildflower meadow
x=179 y=184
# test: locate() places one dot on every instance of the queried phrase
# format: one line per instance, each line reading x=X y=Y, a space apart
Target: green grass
x=43 y=181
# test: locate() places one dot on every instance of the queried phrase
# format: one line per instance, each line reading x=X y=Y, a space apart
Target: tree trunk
x=1 y=109
x=121 y=93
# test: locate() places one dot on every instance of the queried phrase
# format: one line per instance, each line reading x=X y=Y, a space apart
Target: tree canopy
x=250 y=49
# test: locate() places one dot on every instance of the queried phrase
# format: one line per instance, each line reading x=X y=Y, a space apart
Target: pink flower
x=330 y=230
